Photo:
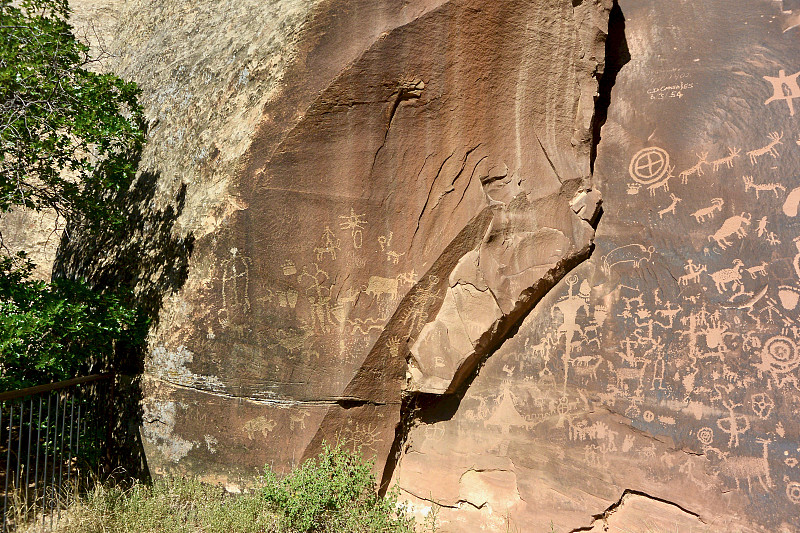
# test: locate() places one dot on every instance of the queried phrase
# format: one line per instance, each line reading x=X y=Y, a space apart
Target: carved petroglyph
x=330 y=244
x=761 y=187
x=365 y=325
x=693 y=273
x=417 y=315
x=663 y=184
x=708 y=212
x=793 y=492
x=758 y=270
x=696 y=169
x=762 y=405
x=393 y=345
x=748 y=468
x=354 y=223
x=728 y=275
x=732 y=227
x=385 y=242
x=505 y=414
x=733 y=153
x=784 y=88
x=259 y=427
x=235 y=285
x=792 y=203
x=298 y=419
x=649 y=165
x=671 y=207
x=734 y=424
x=779 y=358
x=630 y=253
x=569 y=306
x=769 y=148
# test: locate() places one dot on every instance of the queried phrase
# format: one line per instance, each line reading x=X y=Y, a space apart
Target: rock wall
x=393 y=207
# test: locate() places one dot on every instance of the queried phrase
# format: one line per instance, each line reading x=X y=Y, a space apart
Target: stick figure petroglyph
x=330 y=243
x=734 y=424
x=354 y=223
x=235 y=284
x=569 y=306
x=784 y=88
x=693 y=273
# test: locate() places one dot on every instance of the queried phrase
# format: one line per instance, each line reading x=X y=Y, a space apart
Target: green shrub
x=335 y=492
x=55 y=331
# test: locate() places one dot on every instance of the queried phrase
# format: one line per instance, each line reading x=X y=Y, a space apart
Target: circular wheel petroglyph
x=649 y=165
x=793 y=491
x=780 y=353
x=705 y=436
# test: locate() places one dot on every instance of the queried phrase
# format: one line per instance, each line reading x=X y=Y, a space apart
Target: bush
x=335 y=492
x=52 y=332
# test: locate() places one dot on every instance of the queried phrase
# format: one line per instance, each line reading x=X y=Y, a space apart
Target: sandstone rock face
x=393 y=208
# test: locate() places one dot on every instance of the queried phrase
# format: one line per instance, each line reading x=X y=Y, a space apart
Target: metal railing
x=51 y=437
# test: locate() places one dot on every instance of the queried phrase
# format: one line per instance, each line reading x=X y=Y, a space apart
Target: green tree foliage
x=70 y=140
x=69 y=137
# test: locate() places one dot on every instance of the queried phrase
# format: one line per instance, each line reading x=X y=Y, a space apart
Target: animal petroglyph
x=769 y=148
x=728 y=275
x=671 y=207
x=630 y=253
x=385 y=242
x=298 y=419
x=649 y=165
x=696 y=169
x=366 y=325
x=761 y=187
x=733 y=226
x=663 y=184
x=733 y=153
x=758 y=269
x=748 y=468
x=701 y=214
x=354 y=223
x=784 y=88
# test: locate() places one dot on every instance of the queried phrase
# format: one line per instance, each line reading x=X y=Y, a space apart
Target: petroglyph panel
x=668 y=363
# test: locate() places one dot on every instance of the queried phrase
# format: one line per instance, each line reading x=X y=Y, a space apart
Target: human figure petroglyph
x=784 y=88
x=318 y=297
x=569 y=306
x=696 y=169
x=761 y=187
x=693 y=273
x=733 y=153
x=671 y=207
x=505 y=414
x=417 y=315
x=235 y=285
x=701 y=214
x=728 y=275
x=749 y=467
x=770 y=148
x=773 y=239
x=330 y=244
x=734 y=424
x=629 y=253
x=733 y=226
x=354 y=223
